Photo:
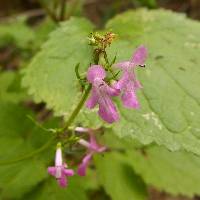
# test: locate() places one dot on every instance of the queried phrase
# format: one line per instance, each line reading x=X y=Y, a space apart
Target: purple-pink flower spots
x=60 y=171
x=92 y=148
x=103 y=92
x=126 y=87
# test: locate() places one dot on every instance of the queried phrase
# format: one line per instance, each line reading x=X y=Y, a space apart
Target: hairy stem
x=107 y=61
x=50 y=141
x=77 y=109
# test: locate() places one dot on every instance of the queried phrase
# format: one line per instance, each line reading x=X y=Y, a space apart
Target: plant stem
x=55 y=5
x=80 y=104
x=77 y=109
x=72 y=9
x=48 y=11
x=107 y=61
x=62 y=10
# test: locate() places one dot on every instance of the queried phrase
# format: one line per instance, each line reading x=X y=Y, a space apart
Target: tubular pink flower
x=128 y=83
x=93 y=148
x=60 y=171
x=101 y=94
x=83 y=166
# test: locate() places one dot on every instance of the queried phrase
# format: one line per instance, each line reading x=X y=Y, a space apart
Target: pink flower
x=59 y=171
x=128 y=84
x=101 y=94
x=92 y=147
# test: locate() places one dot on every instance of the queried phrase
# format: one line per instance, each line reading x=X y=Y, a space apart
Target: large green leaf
x=10 y=87
x=173 y=172
x=51 y=75
x=50 y=190
x=18 y=178
x=170 y=98
x=169 y=114
x=13 y=120
x=16 y=31
x=18 y=138
x=42 y=31
x=118 y=178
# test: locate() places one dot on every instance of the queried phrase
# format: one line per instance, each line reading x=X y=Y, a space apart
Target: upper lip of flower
x=128 y=83
x=93 y=148
x=101 y=94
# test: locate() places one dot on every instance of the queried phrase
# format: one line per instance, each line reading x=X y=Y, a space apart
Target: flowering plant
x=110 y=114
x=102 y=92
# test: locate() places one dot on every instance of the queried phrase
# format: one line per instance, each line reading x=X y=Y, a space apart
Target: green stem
x=48 y=11
x=46 y=145
x=77 y=109
x=80 y=104
x=24 y=157
x=107 y=61
x=72 y=9
x=55 y=4
x=62 y=10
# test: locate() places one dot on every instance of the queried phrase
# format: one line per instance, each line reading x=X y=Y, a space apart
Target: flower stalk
x=77 y=109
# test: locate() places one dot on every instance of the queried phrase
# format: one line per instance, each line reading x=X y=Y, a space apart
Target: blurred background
x=100 y=10
x=13 y=56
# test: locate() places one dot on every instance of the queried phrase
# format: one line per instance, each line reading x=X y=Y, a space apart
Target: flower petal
x=101 y=149
x=112 y=91
x=139 y=55
x=83 y=166
x=52 y=171
x=124 y=64
x=68 y=172
x=137 y=84
x=123 y=81
x=129 y=99
x=58 y=159
x=62 y=181
x=107 y=110
x=95 y=71
x=93 y=99
x=93 y=142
